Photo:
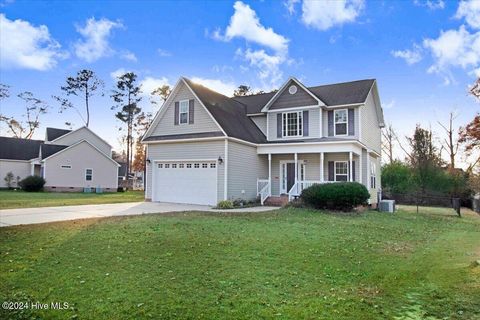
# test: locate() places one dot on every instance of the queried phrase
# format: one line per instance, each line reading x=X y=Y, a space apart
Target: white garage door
x=185 y=182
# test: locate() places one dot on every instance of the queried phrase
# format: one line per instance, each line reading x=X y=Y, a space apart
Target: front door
x=287 y=174
x=290 y=175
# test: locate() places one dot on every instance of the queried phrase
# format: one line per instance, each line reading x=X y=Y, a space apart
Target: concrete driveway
x=11 y=217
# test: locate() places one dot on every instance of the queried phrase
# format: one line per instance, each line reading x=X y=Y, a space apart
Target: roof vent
x=292 y=89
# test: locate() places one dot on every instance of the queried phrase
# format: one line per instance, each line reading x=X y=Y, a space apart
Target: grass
x=286 y=264
x=10 y=199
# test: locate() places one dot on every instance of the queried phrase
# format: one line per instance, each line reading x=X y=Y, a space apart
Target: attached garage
x=193 y=182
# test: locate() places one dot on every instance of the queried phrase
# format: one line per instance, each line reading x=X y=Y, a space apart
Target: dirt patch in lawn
x=398 y=248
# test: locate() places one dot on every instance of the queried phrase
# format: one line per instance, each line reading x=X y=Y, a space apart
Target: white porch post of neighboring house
x=350 y=173
x=321 y=166
x=270 y=171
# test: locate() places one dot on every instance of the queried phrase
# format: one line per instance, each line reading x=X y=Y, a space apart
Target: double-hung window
x=341 y=171
x=88 y=174
x=292 y=124
x=373 y=175
x=341 y=120
x=183 y=112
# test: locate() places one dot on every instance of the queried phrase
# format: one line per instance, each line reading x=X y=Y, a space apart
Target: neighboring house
x=68 y=160
x=203 y=147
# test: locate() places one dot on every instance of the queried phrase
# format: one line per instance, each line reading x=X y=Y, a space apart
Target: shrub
x=225 y=204
x=32 y=183
x=9 y=179
x=335 y=196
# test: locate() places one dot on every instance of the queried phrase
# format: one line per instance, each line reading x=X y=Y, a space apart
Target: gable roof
x=353 y=92
x=84 y=127
x=76 y=144
x=54 y=133
x=19 y=149
x=49 y=149
x=229 y=113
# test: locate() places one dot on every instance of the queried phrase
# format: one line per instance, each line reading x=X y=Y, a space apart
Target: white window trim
x=335 y=170
x=180 y=111
x=373 y=175
x=285 y=125
x=91 y=175
x=335 y=123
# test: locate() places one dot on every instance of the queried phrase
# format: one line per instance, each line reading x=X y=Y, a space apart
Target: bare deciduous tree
x=25 y=126
x=450 y=143
x=389 y=138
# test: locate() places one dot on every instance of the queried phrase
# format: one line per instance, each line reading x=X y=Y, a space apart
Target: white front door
x=193 y=182
x=287 y=174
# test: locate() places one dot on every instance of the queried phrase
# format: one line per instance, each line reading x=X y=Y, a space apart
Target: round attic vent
x=292 y=89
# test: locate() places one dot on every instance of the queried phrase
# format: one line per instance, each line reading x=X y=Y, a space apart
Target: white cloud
x=117 y=73
x=149 y=84
x=95 y=43
x=323 y=15
x=26 y=46
x=454 y=48
x=470 y=10
x=163 y=53
x=430 y=4
x=130 y=56
x=245 y=24
x=410 y=56
x=290 y=5
x=225 y=88
x=389 y=105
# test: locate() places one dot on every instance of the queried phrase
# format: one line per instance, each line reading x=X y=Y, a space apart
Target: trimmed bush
x=32 y=183
x=225 y=204
x=335 y=196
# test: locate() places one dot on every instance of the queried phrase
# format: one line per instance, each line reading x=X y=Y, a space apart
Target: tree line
x=423 y=173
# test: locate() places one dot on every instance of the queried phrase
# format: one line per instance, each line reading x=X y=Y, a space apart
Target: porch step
x=276 y=201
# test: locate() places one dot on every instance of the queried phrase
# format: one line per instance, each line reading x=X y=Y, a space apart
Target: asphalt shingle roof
x=331 y=94
x=50 y=149
x=230 y=114
x=19 y=149
x=54 y=133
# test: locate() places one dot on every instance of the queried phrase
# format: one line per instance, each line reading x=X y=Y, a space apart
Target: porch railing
x=300 y=185
x=264 y=189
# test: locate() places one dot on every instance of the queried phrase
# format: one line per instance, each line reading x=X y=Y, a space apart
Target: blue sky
x=424 y=54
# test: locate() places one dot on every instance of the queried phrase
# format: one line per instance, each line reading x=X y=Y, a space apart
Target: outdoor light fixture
x=220 y=160
x=148 y=161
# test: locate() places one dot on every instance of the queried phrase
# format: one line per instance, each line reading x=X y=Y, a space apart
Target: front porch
x=289 y=174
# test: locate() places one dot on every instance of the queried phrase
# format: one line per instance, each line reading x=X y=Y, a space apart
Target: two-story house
x=203 y=147
x=69 y=160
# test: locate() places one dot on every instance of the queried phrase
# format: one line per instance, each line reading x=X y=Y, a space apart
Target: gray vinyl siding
x=261 y=122
x=300 y=99
x=371 y=131
x=244 y=167
x=186 y=151
x=357 y=122
x=202 y=121
x=19 y=168
x=80 y=157
x=365 y=177
x=313 y=124
x=84 y=134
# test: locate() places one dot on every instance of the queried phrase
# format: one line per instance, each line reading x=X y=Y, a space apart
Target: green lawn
x=286 y=264
x=10 y=199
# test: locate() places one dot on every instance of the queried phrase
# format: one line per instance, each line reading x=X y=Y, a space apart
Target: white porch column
x=360 y=163
x=296 y=167
x=321 y=166
x=270 y=168
x=350 y=173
